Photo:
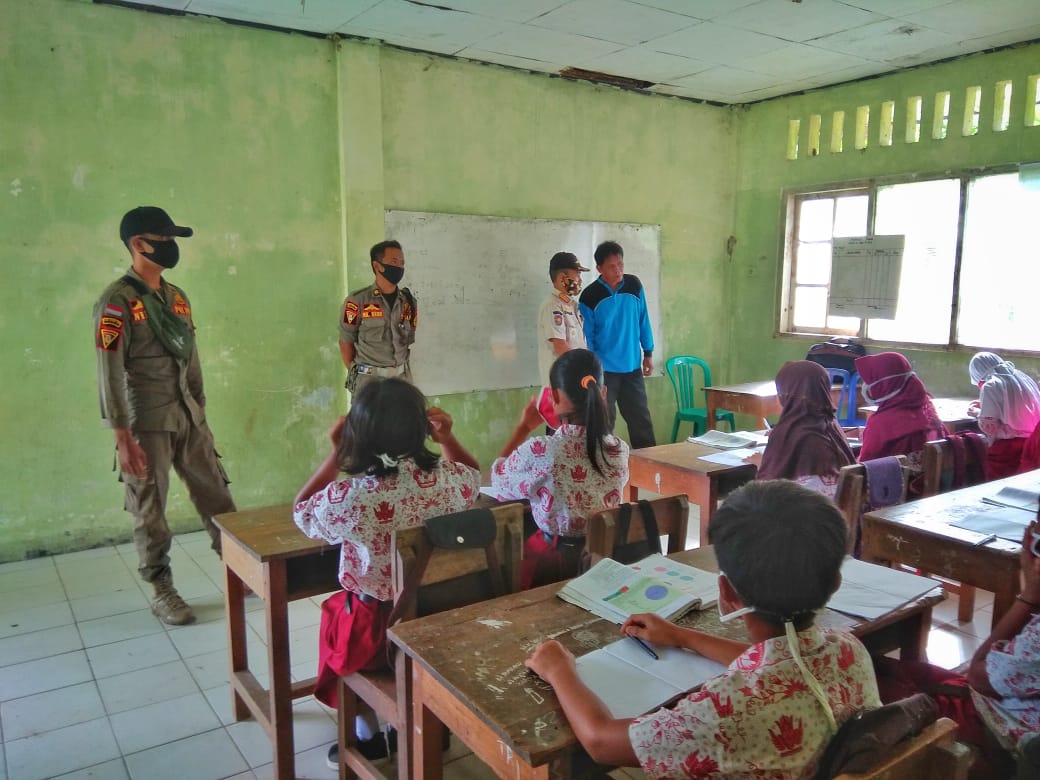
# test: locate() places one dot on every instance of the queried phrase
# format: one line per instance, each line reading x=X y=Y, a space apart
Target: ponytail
x=579 y=374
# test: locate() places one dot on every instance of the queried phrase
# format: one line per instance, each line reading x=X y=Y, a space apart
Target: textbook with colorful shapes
x=655 y=584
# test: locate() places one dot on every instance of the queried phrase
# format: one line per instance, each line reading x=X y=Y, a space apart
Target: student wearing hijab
x=1008 y=410
x=905 y=418
x=807 y=445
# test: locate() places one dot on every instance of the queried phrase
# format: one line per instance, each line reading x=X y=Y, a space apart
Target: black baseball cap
x=150 y=219
x=564 y=261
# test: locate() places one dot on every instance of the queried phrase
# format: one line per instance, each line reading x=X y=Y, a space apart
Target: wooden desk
x=263 y=548
x=953 y=412
x=758 y=399
x=477 y=685
x=919 y=534
x=677 y=468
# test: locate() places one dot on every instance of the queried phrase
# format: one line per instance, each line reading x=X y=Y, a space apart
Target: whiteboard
x=865 y=276
x=481 y=281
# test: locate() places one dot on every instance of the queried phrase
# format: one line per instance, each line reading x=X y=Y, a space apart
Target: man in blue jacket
x=617 y=329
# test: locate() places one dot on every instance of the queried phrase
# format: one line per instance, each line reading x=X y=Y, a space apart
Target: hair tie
x=388 y=462
x=587 y=380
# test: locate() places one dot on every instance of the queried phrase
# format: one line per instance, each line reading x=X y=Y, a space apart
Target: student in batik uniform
x=389 y=480
x=579 y=470
x=779 y=547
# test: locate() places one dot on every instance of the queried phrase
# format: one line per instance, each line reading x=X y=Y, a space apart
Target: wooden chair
x=931 y=755
x=939 y=475
x=852 y=493
x=435 y=569
x=672 y=515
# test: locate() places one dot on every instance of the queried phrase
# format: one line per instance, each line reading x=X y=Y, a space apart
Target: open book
x=870 y=591
x=730 y=441
x=614 y=591
x=631 y=683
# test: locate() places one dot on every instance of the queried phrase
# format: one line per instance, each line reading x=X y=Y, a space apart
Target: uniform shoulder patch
x=350 y=313
x=180 y=304
x=108 y=337
x=557 y=318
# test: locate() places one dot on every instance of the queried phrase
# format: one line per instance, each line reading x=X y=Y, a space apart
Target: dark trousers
x=628 y=391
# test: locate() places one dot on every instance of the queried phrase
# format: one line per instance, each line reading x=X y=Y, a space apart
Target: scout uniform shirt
x=139 y=382
x=381 y=336
x=559 y=319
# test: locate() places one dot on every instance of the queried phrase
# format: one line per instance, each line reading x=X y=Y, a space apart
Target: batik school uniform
x=554 y=473
x=1013 y=669
x=758 y=718
x=361 y=512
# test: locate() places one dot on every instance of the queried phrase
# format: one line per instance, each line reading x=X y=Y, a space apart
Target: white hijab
x=1008 y=394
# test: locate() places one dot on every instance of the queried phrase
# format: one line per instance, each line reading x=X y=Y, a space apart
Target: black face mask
x=392 y=273
x=164 y=253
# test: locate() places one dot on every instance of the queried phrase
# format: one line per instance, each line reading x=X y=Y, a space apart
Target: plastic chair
x=682 y=370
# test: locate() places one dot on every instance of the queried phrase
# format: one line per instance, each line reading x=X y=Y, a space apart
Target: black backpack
x=839 y=352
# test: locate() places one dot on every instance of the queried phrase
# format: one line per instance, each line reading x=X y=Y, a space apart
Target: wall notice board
x=480 y=282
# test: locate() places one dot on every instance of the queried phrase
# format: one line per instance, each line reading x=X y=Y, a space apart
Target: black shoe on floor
x=372 y=749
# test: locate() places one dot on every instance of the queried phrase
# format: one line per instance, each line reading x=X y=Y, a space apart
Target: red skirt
x=549 y=560
x=1003 y=458
x=349 y=641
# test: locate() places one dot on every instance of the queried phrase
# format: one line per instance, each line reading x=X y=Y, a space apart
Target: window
x=993 y=276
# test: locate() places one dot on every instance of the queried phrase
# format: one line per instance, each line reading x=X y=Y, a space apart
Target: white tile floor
x=93 y=686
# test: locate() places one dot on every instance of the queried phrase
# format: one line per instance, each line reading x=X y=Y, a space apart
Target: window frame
x=791 y=197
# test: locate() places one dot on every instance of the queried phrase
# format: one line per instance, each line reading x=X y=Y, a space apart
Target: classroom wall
x=764 y=171
x=233 y=130
x=282 y=151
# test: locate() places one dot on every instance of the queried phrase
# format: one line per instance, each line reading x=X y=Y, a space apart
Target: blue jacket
x=617 y=324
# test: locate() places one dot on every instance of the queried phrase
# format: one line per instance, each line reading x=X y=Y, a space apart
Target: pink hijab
x=905 y=418
x=807 y=441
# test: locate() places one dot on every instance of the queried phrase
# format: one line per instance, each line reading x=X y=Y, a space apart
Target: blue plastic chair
x=682 y=370
x=846 y=411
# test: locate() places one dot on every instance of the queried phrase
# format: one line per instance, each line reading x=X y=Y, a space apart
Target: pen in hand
x=645 y=646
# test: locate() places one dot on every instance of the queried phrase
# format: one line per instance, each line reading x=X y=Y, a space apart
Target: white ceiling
x=728 y=51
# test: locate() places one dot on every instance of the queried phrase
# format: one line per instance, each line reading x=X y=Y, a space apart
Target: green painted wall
x=282 y=151
x=763 y=172
x=232 y=130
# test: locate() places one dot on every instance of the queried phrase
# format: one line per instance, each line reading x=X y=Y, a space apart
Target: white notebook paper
x=870 y=591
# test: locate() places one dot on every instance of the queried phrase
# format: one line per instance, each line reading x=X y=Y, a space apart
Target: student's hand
x=531 y=418
x=549 y=660
x=1029 y=565
x=440 y=424
x=755 y=458
x=336 y=432
x=974 y=408
x=652 y=628
x=648 y=366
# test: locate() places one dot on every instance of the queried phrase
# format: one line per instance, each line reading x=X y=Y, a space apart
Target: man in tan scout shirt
x=377 y=323
x=150 y=384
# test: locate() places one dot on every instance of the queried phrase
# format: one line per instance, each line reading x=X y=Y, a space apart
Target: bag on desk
x=838 y=352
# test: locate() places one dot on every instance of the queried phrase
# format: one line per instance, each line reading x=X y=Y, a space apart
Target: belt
x=561 y=539
x=367 y=370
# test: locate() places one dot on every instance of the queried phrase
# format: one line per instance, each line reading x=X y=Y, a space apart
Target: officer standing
x=150 y=386
x=377 y=324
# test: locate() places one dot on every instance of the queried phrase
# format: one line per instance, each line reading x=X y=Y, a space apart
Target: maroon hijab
x=807 y=441
x=904 y=421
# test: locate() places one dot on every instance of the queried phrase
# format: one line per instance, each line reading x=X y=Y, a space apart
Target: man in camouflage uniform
x=377 y=323
x=150 y=384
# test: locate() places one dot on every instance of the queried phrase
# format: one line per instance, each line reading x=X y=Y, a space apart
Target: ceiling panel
x=722 y=50
x=642 y=62
x=797 y=21
x=548 y=45
x=450 y=31
x=717 y=43
x=619 y=21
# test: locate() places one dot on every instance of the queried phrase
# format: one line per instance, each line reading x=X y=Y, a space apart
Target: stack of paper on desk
x=730 y=441
x=1004 y=522
x=631 y=683
x=614 y=591
x=1019 y=498
x=870 y=591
